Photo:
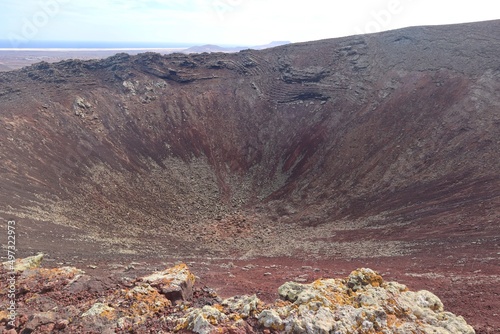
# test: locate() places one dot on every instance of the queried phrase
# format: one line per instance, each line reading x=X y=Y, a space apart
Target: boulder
x=23 y=264
x=362 y=303
x=42 y=322
x=175 y=283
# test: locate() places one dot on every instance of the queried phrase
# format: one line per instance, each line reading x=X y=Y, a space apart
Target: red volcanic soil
x=465 y=278
x=378 y=151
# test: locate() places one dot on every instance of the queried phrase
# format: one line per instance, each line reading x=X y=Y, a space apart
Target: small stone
x=98 y=309
x=61 y=324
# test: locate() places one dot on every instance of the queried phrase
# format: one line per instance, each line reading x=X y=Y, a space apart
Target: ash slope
x=385 y=142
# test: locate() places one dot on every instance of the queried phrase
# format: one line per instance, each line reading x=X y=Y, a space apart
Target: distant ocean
x=5 y=44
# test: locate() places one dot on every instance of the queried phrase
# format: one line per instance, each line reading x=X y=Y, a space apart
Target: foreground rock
x=166 y=301
x=362 y=303
x=23 y=264
x=175 y=283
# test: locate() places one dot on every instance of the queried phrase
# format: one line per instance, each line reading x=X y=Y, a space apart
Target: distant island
x=7 y=44
x=215 y=48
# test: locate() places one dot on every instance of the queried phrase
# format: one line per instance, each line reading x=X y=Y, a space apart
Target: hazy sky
x=224 y=22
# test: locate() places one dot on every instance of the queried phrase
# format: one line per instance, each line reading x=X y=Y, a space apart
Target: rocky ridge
x=64 y=300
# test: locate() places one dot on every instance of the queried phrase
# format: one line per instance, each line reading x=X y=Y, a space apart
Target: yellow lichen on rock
x=4 y=315
x=363 y=303
x=361 y=278
x=244 y=306
x=101 y=310
x=143 y=300
x=203 y=321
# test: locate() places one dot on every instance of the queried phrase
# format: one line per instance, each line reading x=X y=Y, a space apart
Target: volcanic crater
x=379 y=150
